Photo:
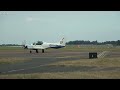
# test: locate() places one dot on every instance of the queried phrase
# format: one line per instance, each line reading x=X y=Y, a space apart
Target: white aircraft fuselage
x=45 y=45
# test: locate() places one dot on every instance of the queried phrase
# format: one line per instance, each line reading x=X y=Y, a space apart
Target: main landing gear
x=42 y=50
x=37 y=51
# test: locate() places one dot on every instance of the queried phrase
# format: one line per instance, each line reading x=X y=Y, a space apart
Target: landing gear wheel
x=36 y=51
x=42 y=50
x=30 y=51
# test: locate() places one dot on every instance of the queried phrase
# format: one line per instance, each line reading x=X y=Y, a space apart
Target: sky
x=51 y=26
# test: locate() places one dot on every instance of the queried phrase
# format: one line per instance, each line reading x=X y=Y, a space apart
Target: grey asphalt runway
x=39 y=62
x=53 y=53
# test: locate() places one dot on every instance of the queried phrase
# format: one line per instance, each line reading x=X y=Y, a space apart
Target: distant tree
x=77 y=42
x=118 y=42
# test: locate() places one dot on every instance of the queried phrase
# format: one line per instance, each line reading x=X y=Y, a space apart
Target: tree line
x=10 y=45
x=76 y=42
x=82 y=42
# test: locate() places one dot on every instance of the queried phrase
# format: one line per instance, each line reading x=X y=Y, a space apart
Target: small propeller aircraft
x=45 y=45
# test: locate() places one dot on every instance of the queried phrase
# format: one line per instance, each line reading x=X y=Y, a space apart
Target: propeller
x=24 y=45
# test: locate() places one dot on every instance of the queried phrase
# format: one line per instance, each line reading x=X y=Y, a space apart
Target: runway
x=52 y=53
x=39 y=61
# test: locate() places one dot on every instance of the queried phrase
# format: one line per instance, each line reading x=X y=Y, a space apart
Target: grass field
x=66 y=75
x=102 y=62
x=10 y=48
x=91 y=48
x=84 y=48
x=12 y=60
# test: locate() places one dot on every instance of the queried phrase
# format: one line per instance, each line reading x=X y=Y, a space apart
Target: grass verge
x=65 y=75
x=101 y=62
x=12 y=60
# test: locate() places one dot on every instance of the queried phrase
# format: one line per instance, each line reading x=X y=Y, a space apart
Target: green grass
x=10 y=48
x=94 y=48
x=84 y=48
x=102 y=62
x=12 y=60
x=65 y=75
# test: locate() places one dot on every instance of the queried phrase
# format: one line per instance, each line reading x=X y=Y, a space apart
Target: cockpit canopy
x=38 y=43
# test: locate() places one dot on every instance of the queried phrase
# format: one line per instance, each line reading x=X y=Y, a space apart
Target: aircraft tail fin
x=62 y=41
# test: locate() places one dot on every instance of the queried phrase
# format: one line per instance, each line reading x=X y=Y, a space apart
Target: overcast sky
x=51 y=26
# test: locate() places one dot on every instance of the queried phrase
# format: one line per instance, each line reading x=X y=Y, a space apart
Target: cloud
x=41 y=20
x=29 y=19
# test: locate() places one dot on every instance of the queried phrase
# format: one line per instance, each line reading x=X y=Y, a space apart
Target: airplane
x=45 y=45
